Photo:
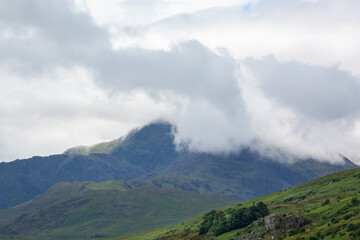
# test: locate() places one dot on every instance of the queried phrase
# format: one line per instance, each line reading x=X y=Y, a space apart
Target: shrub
x=326 y=202
x=296 y=231
x=263 y=209
x=355 y=234
x=357 y=175
x=220 y=224
x=216 y=221
x=354 y=201
x=348 y=216
x=352 y=227
x=207 y=222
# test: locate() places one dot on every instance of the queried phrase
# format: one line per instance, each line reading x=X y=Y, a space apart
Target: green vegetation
x=103 y=148
x=119 y=185
x=219 y=222
x=4 y=237
x=325 y=208
x=149 y=154
x=92 y=210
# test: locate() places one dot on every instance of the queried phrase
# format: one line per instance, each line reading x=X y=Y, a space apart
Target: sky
x=280 y=76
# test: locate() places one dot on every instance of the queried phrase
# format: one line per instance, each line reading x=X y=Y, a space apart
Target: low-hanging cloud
x=62 y=77
x=187 y=75
x=306 y=110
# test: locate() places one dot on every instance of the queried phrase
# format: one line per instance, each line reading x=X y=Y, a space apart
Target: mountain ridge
x=149 y=153
x=324 y=208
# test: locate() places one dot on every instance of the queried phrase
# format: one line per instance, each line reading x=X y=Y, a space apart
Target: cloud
x=324 y=93
x=259 y=28
x=304 y=110
x=50 y=90
x=86 y=71
x=47 y=114
x=203 y=127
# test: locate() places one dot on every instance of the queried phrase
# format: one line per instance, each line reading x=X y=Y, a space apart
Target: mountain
x=149 y=154
x=76 y=210
x=139 y=153
x=325 y=208
x=247 y=175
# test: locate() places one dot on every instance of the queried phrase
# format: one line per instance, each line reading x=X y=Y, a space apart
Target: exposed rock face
x=255 y=235
x=259 y=222
x=294 y=221
x=271 y=221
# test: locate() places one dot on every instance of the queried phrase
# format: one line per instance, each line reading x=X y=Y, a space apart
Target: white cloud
x=316 y=32
x=305 y=110
x=61 y=109
x=84 y=71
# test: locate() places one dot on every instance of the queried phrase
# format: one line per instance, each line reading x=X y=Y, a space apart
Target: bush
x=313 y=238
x=354 y=201
x=296 y=231
x=326 y=202
x=357 y=175
x=263 y=209
x=355 y=234
x=220 y=224
x=352 y=227
x=216 y=221
x=207 y=222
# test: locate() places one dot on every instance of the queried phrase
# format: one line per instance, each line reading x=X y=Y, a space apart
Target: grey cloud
x=189 y=71
x=58 y=35
x=67 y=38
x=212 y=113
x=324 y=93
x=55 y=20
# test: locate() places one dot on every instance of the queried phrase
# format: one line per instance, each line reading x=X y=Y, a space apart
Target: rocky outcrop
x=294 y=221
x=272 y=221
x=254 y=235
x=259 y=222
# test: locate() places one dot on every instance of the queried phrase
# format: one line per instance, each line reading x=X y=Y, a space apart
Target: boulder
x=259 y=222
x=272 y=221
x=294 y=221
x=254 y=235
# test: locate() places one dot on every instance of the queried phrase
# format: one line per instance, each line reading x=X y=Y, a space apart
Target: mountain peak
x=157 y=128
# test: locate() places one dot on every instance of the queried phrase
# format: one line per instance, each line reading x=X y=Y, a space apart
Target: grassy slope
x=247 y=175
x=330 y=221
x=149 y=153
x=127 y=158
x=4 y=237
x=77 y=210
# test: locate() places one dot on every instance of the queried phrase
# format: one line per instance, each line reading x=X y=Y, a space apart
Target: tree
x=207 y=222
x=220 y=224
x=263 y=209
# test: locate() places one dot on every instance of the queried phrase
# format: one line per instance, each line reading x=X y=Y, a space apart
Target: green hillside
x=247 y=175
x=149 y=154
x=97 y=210
x=4 y=237
x=325 y=208
x=139 y=153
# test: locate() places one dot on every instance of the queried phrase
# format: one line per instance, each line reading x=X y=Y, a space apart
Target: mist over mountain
x=150 y=154
x=131 y=114
x=226 y=73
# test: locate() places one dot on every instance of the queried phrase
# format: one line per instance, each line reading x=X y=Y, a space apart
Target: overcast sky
x=272 y=74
